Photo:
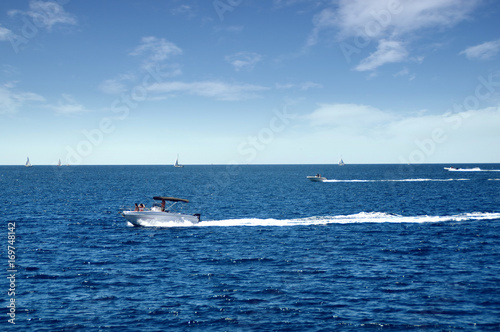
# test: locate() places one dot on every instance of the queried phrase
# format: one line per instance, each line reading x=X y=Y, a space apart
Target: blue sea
x=373 y=248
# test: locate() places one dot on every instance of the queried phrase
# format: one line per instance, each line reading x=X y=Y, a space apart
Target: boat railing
x=155 y=208
x=132 y=208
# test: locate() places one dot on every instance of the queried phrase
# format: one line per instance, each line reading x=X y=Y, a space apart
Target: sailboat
x=59 y=163
x=176 y=164
x=341 y=162
x=28 y=164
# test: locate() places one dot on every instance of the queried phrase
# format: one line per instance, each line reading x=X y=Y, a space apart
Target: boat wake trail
x=363 y=217
x=399 y=180
x=475 y=169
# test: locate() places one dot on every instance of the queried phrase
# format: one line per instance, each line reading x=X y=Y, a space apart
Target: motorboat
x=451 y=169
x=160 y=214
x=316 y=178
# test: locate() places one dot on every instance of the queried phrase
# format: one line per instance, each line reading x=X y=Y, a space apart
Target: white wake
x=362 y=217
x=474 y=169
x=398 y=180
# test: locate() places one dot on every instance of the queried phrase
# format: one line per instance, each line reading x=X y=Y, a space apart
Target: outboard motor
x=197 y=215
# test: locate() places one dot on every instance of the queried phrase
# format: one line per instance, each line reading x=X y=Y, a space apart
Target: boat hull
x=454 y=169
x=145 y=218
x=316 y=178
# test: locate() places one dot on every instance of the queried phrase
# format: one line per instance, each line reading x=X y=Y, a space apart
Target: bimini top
x=172 y=199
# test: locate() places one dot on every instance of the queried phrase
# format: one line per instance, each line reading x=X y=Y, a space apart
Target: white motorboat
x=160 y=215
x=455 y=169
x=316 y=178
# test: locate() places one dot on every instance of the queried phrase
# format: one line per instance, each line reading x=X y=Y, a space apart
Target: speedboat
x=316 y=178
x=159 y=214
x=474 y=169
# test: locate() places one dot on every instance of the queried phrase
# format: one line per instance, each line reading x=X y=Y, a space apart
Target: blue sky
x=249 y=82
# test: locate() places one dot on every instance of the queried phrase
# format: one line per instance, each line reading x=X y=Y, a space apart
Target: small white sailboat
x=28 y=164
x=341 y=162
x=59 y=164
x=176 y=164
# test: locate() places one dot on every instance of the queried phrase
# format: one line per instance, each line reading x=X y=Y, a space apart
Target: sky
x=249 y=81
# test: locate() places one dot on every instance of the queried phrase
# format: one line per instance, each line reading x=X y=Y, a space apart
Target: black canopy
x=171 y=199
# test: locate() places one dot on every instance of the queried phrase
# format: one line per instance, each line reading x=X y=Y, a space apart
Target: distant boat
x=341 y=162
x=28 y=164
x=316 y=178
x=455 y=169
x=176 y=164
x=59 y=163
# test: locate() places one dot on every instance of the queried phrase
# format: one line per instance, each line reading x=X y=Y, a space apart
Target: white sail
x=341 y=162
x=59 y=163
x=28 y=164
x=176 y=164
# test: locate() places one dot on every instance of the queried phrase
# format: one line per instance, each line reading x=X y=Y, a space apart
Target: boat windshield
x=167 y=208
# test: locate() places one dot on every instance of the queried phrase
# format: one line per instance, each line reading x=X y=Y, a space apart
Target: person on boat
x=141 y=207
x=136 y=207
x=162 y=205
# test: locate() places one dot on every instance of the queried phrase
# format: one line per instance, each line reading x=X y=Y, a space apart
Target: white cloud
x=348 y=116
x=402 y=72
x=405 y=73
x=116 y=86
x=9 y=70
x=327 y=18
x=153 y=53
x=185 y=10
x=482 y=51
x=388 y=51
x=418 y=137
x=12 y=101
x=4 y=33
x=46 y=14
x=380 y=18
x=68 y=105
x=386 y=21
x=243 y=60
x=310 y=85
x=302 y=86
x=210 y=89
x=112 y=87
x=156 y=50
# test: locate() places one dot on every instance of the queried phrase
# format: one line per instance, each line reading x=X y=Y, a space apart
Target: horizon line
x=263 y=164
